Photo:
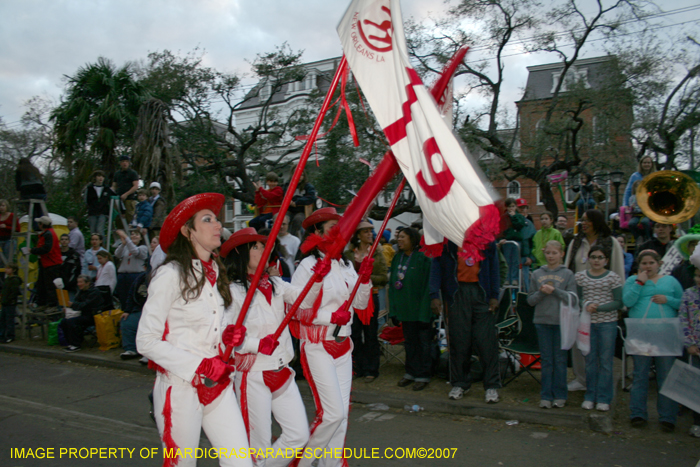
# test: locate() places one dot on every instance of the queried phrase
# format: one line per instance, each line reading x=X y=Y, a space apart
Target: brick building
x=593 y=94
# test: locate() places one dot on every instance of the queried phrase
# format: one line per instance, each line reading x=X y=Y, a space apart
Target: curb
x=77 y=358
x=596 y=421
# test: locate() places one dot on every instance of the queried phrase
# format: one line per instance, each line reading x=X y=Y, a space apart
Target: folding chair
x=525 y=342
x=391 y=342
x=507 y=321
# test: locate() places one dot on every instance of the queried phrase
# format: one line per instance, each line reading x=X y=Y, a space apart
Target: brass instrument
x=668 y=196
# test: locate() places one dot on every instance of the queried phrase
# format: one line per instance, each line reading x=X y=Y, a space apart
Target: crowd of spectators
x=542 y=257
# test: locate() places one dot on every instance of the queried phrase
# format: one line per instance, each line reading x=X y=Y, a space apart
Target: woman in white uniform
x=180 y=332
x=264 y=381
x=326 y=359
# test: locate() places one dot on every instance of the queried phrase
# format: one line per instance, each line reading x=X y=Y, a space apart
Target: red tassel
x=431 y=251
x=243 y=397
x=366 y=314
x=244 y=362
x=481 y=233
x=167 y=430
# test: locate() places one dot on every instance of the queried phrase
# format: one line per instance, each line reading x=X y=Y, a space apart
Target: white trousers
x=221 y=421
x=330 y=381
x=287 y=408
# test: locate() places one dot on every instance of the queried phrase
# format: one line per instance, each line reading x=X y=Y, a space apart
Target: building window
x=228 y=211
x=574 y=75
x=513 y=190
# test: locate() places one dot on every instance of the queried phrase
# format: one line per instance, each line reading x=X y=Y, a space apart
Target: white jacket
x=194 y=327
x=337 y=286
x=263 y=319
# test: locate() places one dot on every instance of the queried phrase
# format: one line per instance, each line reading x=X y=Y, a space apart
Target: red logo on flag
x=382 y=41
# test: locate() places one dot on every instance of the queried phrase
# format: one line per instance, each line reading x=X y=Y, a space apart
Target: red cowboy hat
x=320 y=215
x=184 y=211
x=247 y=235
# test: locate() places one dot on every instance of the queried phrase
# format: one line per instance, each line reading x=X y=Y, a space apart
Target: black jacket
x=98 y=205
x=88 y=302
x=70 y=269
x=11 y=290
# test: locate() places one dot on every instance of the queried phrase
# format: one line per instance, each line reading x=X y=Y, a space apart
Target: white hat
x=155 y=185
x=43 y=220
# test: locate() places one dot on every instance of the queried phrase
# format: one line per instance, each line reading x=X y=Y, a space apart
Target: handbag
x=583 y=333
x=107 y=329
x=569 y=320
x=682 y=383
x=655 y=337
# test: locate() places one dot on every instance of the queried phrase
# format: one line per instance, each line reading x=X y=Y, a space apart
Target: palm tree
x=98 y=113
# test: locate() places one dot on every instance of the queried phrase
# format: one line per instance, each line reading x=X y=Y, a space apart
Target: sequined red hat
x=247 y=235
x=184 y=211
x=320 y=215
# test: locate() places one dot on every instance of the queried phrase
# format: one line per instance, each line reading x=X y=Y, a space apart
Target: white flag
x=452 y=196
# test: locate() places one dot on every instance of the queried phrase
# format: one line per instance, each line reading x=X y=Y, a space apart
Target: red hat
x=247 y=235
x=184 y=211
x=521 y=202
x=320 y=215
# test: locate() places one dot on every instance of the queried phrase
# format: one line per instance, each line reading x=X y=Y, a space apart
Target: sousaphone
x=668 y=197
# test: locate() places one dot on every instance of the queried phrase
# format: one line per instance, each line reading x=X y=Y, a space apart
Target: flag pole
x=288 y=198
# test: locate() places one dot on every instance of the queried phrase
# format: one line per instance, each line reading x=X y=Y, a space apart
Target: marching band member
x=180 y=332
x=264 y=381
x=326 y=359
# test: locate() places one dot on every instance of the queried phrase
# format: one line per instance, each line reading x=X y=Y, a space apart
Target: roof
x=541 y=78
x=319 y=75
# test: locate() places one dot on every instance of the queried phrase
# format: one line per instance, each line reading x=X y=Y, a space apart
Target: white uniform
x=176 y=335
x=269 y=386
x=291 y=244
x=327 y=362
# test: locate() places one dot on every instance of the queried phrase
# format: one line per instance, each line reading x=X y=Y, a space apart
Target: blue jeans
x=553 y=362
x=599 y=363
x=7 y=322
x=97 y=223
x=526 y=276
x=668 y=409
x=129 y=325
x=512 y=256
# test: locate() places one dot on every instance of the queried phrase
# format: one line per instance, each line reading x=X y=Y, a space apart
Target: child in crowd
x=689 y=314
x=513 y=233
x=10 y=292
x=268 y=201
x=639 y=225
x=600 y=293
x=549 y=286
x=144 y=211
x=651 y=295
x=544 y=235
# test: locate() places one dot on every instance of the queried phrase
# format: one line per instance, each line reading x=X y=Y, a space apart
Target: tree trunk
x=547 y=197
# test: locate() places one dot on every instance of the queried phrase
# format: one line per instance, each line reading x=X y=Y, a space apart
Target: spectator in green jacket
x=545 y=234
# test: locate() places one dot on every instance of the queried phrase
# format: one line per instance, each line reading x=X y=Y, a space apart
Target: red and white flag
x=456 y=203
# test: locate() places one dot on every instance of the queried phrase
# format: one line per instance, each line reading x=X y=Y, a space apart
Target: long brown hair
x=181 y=252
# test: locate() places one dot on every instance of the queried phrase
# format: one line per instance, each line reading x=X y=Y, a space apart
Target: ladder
x=31 y=205
x=115 y=208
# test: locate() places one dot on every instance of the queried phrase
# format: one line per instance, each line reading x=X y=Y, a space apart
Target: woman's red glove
x=366 y=269
x=233 y=336
x=214 y=368
x=340 y=317
x=322 y=268
x=267 y=345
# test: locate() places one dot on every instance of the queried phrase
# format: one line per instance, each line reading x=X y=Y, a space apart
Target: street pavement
x=47 y=403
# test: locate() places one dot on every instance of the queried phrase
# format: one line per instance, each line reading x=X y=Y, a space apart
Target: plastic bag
x=682 y=383
x=583 y=335
x=53 y=333
x=107 y=329
x=654 y=337
x=568 y=321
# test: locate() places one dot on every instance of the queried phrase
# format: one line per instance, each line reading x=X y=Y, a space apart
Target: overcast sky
x=43 y=40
